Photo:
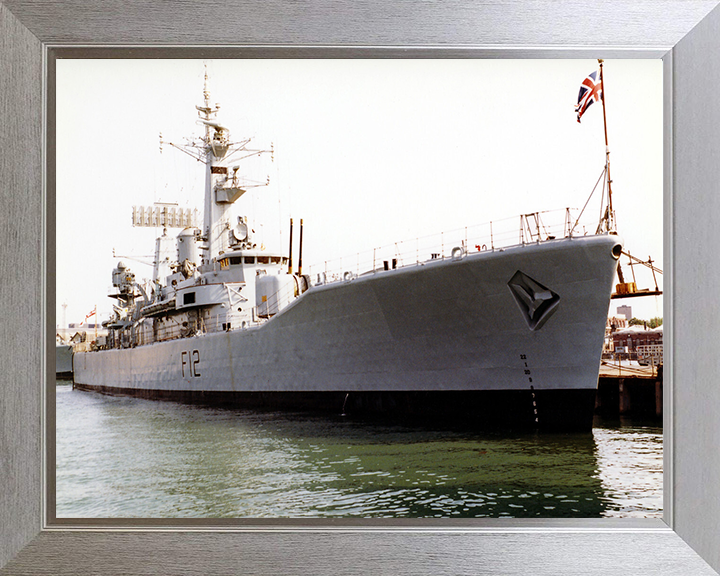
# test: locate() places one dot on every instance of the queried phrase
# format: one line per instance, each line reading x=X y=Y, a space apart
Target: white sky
x=367 y=152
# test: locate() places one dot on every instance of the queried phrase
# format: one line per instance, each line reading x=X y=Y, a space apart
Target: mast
x=223 y=186
x=610 y=214
x=300 y=249
x=215 y=147
x=290 y=262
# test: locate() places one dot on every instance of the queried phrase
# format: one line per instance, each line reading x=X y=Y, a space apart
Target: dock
x=629 y=389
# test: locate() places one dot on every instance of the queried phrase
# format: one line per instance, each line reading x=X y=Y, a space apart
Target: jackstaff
x=592 y=89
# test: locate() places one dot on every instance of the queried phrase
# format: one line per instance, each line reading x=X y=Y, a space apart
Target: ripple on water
x=126 y=457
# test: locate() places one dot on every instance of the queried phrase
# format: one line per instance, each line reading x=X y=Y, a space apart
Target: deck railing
x=525 y=229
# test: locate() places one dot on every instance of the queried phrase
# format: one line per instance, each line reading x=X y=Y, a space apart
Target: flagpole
x=611 y=213
x=610 y=216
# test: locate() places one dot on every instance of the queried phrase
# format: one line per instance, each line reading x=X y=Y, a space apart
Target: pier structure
x=629 y=389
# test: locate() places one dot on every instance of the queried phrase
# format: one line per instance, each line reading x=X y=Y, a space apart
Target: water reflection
x=630 y=466
x=124 y=457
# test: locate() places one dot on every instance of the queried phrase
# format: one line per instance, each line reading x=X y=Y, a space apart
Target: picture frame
x=684 y=34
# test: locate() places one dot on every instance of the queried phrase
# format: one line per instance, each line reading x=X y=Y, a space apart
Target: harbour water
x=121 y=457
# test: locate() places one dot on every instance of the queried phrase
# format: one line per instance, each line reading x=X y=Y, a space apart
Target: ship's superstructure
x=473 y=335
x=204 y=280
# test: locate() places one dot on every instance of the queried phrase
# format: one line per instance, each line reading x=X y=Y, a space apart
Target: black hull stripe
x=551 y=410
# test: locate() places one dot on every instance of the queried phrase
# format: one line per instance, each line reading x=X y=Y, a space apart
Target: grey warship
x=482 y=336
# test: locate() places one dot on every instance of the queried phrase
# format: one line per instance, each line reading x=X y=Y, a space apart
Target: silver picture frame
x=684 y=33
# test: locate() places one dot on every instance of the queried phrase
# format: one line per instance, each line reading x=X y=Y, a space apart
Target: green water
x=125 y=457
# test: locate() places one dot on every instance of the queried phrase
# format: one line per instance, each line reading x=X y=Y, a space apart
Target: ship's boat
x=487 y=337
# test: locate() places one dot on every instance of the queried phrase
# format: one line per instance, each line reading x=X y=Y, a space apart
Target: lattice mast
x=222 y=183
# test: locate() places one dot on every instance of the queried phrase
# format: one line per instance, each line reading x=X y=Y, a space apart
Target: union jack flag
x=90 y=315
x=590 y=91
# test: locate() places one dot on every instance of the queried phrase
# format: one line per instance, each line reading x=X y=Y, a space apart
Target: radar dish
x=240 y=231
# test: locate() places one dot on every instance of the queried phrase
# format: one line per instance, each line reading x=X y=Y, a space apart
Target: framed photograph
x=686 y=539
x=408 y=174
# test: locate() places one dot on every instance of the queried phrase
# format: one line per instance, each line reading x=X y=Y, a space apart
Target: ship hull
x=486 y=410
x=63 y=361
x=506 y=337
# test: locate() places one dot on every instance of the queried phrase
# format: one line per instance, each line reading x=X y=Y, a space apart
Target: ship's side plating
x=512 y=335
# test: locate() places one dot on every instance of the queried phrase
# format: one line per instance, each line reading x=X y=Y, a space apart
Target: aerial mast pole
x=610 y=216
